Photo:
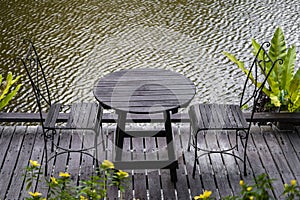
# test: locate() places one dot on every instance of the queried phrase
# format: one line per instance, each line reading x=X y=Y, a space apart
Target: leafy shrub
x=7 y=92
x=284 y=83
x=63 y=187
x=258 y=191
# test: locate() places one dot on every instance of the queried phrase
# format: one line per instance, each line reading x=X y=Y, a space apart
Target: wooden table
x=145 y=91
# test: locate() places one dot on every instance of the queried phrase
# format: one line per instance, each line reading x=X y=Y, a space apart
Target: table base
x=169 y=163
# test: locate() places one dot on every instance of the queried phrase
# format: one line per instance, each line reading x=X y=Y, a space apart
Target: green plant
x=63 y=187
x=284 y=84
x=6 y=91
x=259 y=190
x=206 y=195
x=291 y=191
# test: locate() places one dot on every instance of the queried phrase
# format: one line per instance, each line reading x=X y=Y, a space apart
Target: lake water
x=82 y=40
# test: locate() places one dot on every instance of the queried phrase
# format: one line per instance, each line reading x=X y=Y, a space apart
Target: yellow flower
x=82 y=197
x=34 y=163
x=251 y=198
x=36 y=194
x=206 y=194
x=121 y=174
x=293 y=182
x=275 y=100
x=241 y=182
x=64 y=175
x=197 y=197
x=106 y=164
x=53 y=180
x=249 y=189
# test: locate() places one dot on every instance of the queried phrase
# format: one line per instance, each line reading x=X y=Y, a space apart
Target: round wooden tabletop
x=144 y=91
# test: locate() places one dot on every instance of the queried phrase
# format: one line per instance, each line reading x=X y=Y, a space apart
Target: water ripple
x=81 y=41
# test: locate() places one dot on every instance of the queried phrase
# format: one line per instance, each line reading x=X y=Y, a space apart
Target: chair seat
x=217 y=117
x=81 y=116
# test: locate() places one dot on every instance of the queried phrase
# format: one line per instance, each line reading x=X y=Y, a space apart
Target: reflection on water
x=82 y=40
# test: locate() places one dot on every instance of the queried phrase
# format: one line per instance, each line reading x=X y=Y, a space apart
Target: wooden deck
x=275 y=153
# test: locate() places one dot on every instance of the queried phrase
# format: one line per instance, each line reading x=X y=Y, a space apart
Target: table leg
x=170 y=145
x=120 y=135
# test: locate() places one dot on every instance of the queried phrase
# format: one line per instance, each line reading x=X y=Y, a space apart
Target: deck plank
x=218 y=166
x=12 y=157
x=112 y=192
x=62 y=161
x=75 y=159
x=254 y=163
x=204 y=171
x=1 y=131
x=127 y=155
x=292 y=150
x=81 y=140
x=275 y=153
x=182 y=185
x=37 y=155
x=168 y=187
x=153 y=178
x=278 y=156
x=139 y=181
x=232 y=169
x=195 y=184
x=25 y=152
x=5 y=140
x=268 y=162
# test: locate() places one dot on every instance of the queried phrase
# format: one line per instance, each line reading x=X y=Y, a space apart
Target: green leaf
x=278 y=48
x=294 y=92
x=7 y=86
x=275 y=100
x=28 y=186
x=16 y=79
x=274 y=87
x=294 y=87
x=7 y=94
x=295 y=106
x=256 y=47
x=272 y=79
x=240 y=64
x=246 y=71
x=287 y=70
x=8 y=97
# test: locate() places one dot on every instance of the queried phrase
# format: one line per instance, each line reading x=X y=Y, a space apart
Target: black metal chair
x=82 y=118
x=222 y=117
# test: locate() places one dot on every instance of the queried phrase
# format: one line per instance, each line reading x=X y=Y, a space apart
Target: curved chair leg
x=99 y=125
x=195 y=155
x=99 y=131
x=53 y=132
x=190 y=137
x=245 y=152
x=46 y=154
x=173 y=173
x=96 y=148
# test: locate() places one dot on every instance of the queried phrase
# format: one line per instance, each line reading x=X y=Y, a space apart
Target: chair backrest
x=36 y=75
x=258 y=74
